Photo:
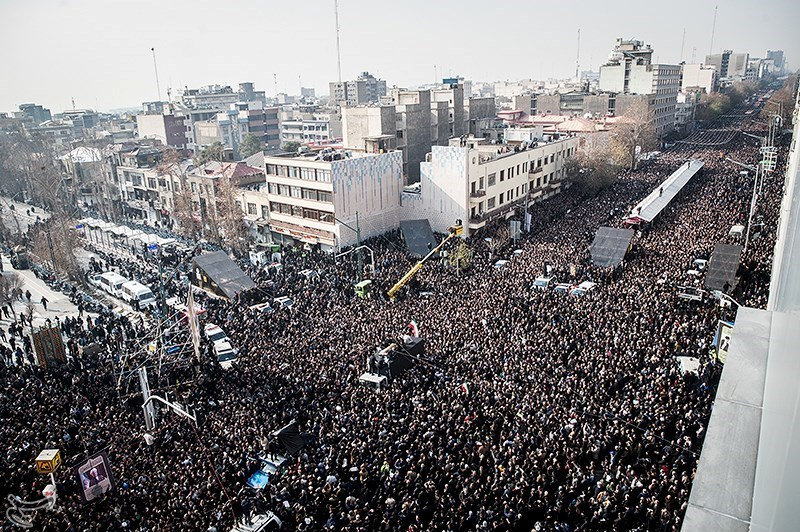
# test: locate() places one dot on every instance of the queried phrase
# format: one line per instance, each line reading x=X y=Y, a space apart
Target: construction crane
x=453 y=232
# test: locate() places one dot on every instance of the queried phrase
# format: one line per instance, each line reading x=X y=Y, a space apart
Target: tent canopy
x=225 y=274
x=610 y=245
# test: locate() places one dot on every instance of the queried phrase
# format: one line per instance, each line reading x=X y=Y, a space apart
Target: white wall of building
x=370 y=186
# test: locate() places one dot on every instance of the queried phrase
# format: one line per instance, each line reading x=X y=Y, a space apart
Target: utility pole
x=155 y=67
x=338 y=49
x=50 y=245
x=358 y=253
x=713 y=27
x=578 y=57
x=683 y=42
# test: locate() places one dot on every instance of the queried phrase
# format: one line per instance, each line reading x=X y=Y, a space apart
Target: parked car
x=284 y=302
x=225 y=353
x=136 y=291
x=543 y=283
x=112 y=283
x=562 y=288
x=583 y=288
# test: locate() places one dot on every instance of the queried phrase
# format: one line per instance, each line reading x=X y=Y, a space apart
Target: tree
x=9 y=283
x=183 y=206
x=212 y=152
x=229 y=215
x=592 y=169
x=635 y=130
x=782 y=100
x=290 y=146
x=250 y=144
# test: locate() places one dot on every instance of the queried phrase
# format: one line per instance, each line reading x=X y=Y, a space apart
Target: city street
x=21 y=214
x=58 y=304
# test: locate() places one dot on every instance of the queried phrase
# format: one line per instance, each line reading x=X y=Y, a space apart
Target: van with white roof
x=112 y=283
x=136 y=291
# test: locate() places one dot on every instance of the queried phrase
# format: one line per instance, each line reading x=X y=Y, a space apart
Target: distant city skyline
x=98 y=52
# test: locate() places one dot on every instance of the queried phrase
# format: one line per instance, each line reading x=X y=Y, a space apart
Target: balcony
x=477 y=194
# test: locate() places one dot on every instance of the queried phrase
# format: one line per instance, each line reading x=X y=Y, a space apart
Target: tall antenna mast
x=694 y=52
x=275 y=80
x=683 y=41
x=155 y=67
x=578 y=57
x=338 y=49
x=713 y=27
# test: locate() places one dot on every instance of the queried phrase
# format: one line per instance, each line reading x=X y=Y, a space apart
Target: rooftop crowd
x=532 y=411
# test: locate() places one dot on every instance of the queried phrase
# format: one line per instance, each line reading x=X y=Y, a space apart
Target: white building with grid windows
x=316 y=199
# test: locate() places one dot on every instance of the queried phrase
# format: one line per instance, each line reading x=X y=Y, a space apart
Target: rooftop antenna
x=155 y=67
x=713 y=27
x=683 y=41
x=275 y=80
x=694 y=52
x=73 y=103
x=338 y=49
x=578 y=57
x=300 y=83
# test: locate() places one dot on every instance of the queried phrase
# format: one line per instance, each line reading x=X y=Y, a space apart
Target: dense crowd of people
x=531 y=410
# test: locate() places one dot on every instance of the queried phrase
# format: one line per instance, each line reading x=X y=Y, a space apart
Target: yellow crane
x=453 y=232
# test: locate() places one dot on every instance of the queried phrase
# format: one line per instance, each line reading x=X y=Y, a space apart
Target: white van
x=112 y=283
x=135 y=291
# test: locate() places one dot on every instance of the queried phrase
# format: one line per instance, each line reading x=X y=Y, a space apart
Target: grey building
x=366 y=88
x=33 y=112
x=728 y=64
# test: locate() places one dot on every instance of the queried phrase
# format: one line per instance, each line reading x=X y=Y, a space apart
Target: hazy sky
x=98 y=51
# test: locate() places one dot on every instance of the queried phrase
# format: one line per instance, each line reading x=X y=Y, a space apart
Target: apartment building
x=729 y=65
x=475 y=181
x=694 y=75
x=629 y=71
x=364 y=89
x=170 y=129
x=320 y=198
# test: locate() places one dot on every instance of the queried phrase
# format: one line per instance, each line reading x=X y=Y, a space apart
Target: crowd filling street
x=531 y=409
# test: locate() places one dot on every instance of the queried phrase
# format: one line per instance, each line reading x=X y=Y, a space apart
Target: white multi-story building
x=695 y=75
x=629 y=71
x=474 y=181
x=320 y=198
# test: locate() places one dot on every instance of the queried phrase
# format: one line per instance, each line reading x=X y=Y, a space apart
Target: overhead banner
x=94 y=477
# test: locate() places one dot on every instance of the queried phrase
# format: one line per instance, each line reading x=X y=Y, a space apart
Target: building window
x=326 y=217
x=324 y=196
x=251 y=208
x=309 y=194
x=309 y=174
x=492 y=179
x=295 y=191
x=265 y=212
x=480 y=184
x=293 y=172
x=490 y=203
x=501 y=198
x=324 y=176
x=311 y=214
x=272 y=188
x=502 y=175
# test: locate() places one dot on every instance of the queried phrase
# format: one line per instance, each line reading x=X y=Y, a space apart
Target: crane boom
x=453 y=232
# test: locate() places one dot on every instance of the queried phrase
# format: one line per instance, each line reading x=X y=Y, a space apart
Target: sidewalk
x=58 y=304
